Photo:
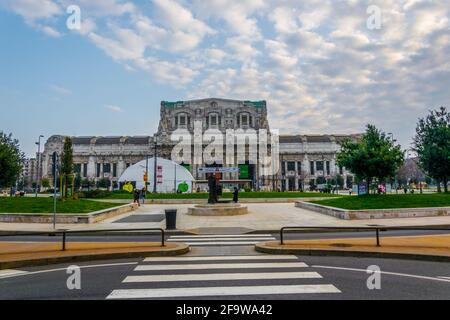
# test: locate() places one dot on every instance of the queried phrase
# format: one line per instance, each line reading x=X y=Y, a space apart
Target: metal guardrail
x=64 y=233
x=376 y=229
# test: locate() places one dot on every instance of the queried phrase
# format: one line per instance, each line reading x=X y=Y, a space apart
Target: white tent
x=169 y=175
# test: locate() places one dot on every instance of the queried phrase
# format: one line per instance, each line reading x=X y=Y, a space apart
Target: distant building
x=303 y=158
x=29 y=172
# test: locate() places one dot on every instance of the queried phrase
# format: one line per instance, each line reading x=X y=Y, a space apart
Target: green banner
x=243 y=171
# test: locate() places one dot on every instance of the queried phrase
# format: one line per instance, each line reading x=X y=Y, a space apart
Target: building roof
x=180 y=103
x=317 y=138
x=108 y=140
x=290 y=139
x=321 y=138
x=137 y=140
x=82 y=140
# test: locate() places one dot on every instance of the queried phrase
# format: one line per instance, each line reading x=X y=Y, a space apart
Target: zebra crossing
x=221 y=239
x=192 y=277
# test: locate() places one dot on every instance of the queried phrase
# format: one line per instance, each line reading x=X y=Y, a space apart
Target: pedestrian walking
x=235 y=195
x=142 y=195
x=136 y=197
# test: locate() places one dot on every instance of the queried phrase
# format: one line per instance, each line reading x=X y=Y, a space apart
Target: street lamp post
x=395 y=177
x=336 y=178
x=175 y=178
x=323 y=170
x=155 y=163
x=38 y=165
x=55 y=174
x=146 y=173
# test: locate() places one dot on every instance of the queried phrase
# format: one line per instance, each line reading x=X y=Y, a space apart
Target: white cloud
x=174 y=16
x=127 y=45
x=102 y=8
x=50 y=31
x=237 y=15
x=60 y=90
x=114 y=108
x=315 y=61
x=32 y=10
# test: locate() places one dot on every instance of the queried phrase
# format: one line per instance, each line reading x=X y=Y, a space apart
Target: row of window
x=323 y=166
x=108 y=168
x=213 y=119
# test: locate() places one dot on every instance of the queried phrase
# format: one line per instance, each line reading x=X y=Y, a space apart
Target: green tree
x=45 y=182
x=339 y=180
x=432 y=144
x=67 y=163
x=321 y=180
x=21 y=184
x=349 y=182
x=87 y=183
x=373 y=156
x=77 y=182
x=104 y=183
x=11 y=160
x=312 y=185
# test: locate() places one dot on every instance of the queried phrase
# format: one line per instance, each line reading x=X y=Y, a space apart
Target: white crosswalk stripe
x=222 y=291
x=212 y=276
x=222 y=276
x=226 y=258
x=220 y=266
x=222 y=240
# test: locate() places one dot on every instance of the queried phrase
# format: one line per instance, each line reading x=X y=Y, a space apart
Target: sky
x=321 y=65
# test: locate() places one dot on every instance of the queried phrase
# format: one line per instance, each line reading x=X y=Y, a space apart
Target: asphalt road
x=232 y=273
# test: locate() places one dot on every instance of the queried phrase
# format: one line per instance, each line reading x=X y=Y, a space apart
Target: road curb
x=381 y=227
x=261 y=247
x=99 y=233
x=180 y=249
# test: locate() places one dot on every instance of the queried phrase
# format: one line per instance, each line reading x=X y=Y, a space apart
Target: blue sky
x=316 y=63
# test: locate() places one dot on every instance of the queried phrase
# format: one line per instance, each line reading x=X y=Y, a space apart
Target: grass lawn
x=391 y=201
x=227 y=195
x=45 y=205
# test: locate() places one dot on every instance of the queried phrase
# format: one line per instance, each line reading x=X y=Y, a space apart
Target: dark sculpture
x=212 y=185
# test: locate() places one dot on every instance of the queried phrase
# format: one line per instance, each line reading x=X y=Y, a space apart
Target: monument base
x=218 y=209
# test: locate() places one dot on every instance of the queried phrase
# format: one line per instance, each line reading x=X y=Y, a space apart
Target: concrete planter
x=374 y=213
x=92 y=217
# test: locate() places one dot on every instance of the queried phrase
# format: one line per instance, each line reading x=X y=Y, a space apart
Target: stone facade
x=302 y=157
x=306 y=158
x=99 y=157
x=29 y=172
x=219 y=114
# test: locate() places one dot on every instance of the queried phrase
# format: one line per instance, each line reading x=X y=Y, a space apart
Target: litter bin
x=171 y=219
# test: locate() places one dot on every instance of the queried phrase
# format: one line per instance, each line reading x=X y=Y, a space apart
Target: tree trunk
x=438 y=185
x=445 y=184
x=65 y=187
x=368 y=185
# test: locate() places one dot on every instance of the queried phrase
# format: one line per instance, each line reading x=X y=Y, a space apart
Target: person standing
x=136 y=196
x=142 y=195
x=235 y=195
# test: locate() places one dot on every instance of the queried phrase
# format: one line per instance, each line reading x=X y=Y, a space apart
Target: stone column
x=120 y=167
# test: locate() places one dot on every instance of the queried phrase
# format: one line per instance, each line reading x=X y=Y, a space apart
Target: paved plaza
x=261 y=217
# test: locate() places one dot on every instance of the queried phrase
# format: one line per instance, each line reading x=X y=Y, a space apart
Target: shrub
x=94 y=194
